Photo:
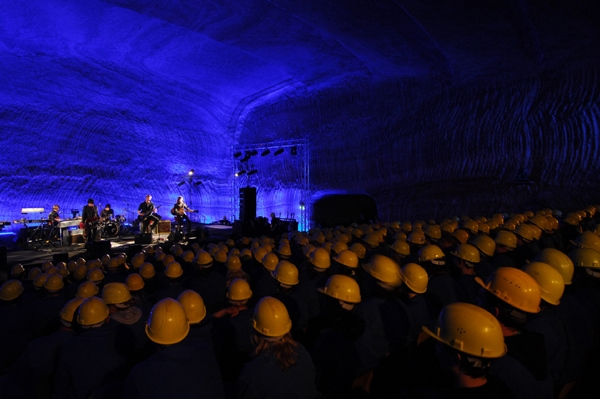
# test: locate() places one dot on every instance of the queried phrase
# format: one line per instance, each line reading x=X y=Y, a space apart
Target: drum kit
x=111 y=227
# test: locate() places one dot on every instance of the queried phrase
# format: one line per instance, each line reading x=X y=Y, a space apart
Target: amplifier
x=164 y=226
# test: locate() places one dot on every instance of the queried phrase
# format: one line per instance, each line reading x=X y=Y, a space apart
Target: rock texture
x=433 y=108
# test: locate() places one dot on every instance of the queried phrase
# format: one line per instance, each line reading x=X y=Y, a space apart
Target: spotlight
x=191 y=172
x=294 y=150
x=265 y=152
x=241 y=172
x=252 y=172
x=198 y=183
x=279 y=151
x=181 y=183
x=237 y=154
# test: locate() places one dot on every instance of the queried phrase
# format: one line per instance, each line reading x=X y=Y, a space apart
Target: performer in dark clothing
x=180 y=210
x=107 y=213
x=53 y=219
x=89 y=217
x=146 y=213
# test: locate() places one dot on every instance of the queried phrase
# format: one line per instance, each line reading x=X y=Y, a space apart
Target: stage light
x=265 y=152
x=237 y=154
x=191 y=172
x=241 y=172
x=197 y=183
x=181 y=183
x=252 y=172
x=279 y=151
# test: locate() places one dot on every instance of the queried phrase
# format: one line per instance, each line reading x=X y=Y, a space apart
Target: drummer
x=107 y=213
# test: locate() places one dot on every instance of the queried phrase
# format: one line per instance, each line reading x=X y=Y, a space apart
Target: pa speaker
x=247 y=204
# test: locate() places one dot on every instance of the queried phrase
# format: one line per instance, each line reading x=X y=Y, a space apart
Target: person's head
x=469 y=338
x=107 y=207
x=148 y=198
x=90 y=202
x=511 y=295
x=55 y=207
x=272 y=324
x=179 y=199
x=168 y=322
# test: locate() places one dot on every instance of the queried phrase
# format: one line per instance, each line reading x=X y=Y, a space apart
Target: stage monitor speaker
x=3 y=259
x=144 y=239
x=247 y=204
x=61 y=257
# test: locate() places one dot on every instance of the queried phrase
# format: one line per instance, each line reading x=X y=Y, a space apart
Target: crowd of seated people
x=502 y=306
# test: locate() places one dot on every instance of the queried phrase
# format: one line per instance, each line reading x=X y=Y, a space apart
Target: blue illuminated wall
x=431 y=110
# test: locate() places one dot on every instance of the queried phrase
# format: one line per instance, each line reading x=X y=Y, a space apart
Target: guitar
x=181 y=211
x=150 y=214
x=91 y=222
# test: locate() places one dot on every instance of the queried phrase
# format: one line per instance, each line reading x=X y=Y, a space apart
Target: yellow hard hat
x=342 y=287
x=271 y=317
x=432 y=253
x=286 y=273
x=135 y=282
x=168 y=323
x=587 y=239
x=585 y=257
x=415 y=277
x=417 y=237
x=358 y=249
x=558 y=260
x=320 y=258
x=270 y=261
x=461 y=235
x=67 y=313
x=87 y=289
x=147 y=270
x=92 y=311
x=469 y=329
x=173 y=270
x=17 y=270
x=506 y=238
x=239 y=290
x=115 y=293
x=54 y=283
x=467 y=252
x=204 y=259
x=485 y=244
x=138 y=260
x=96 y=275
x=384 y=269
x=401 y=247
x=552 y=285
x=515 y=287
x=347 y=258
x=194 y=306
x=33 y=273
x=10 y=290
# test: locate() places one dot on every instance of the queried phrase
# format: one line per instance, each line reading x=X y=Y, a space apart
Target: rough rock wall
x=426 y=151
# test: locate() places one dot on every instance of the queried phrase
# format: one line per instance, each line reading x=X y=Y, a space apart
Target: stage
x=36 y=253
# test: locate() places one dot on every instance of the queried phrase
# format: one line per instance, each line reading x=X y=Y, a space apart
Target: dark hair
x=90 y=201
x=107 y=206
x=283 y=350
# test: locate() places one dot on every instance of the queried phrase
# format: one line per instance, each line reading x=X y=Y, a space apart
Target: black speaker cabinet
x=144 y=239
x=3 y=259
x=247 y=204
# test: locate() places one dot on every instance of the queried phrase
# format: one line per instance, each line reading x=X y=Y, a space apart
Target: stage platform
x=35 y=254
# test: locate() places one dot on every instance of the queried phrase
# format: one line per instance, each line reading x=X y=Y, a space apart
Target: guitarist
x=89 y=216
x=180 y=210
x=145 y=213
